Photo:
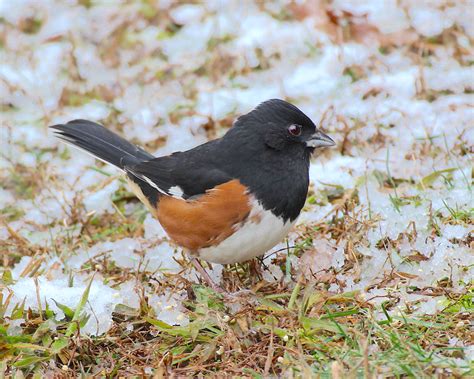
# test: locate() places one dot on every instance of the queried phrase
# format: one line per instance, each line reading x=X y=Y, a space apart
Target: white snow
x=168 y=309
x=396 y=114
x=99 y=201
x=100 y=305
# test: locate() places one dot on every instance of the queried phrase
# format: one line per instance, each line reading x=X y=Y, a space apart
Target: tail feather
x=101 y=143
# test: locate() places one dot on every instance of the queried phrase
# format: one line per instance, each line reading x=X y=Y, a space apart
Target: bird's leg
x=197 y=265
x=227 y=296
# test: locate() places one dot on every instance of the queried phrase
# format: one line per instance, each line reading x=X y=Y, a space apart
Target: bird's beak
x=319 y=139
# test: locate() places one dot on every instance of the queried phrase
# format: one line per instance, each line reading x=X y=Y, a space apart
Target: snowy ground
x=390 y=212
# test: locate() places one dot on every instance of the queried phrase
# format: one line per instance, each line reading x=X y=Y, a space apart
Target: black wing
x=182 y=174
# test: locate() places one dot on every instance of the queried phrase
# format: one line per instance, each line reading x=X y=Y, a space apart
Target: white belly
x=261 y=231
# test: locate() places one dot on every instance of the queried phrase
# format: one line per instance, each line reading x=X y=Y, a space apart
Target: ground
x=375 y=280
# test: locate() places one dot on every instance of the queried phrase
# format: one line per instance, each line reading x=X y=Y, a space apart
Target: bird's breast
x=260 y=231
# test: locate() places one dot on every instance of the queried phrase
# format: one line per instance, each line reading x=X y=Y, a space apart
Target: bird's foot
x=227 y=296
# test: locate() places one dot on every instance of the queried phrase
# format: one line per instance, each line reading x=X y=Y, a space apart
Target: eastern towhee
x=227 y=200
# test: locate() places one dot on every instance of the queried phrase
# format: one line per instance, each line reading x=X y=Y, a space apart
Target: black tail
x=101 y=143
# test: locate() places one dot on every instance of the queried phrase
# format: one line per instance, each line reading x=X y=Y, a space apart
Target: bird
x=228 y=200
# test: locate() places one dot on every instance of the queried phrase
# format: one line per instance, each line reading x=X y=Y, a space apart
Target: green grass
x=289 y=327
x=302 y=331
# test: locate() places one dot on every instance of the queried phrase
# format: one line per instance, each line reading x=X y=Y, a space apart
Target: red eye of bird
x=294 y=130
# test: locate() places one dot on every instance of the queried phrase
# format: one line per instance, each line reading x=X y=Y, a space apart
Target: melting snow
x=394 y=114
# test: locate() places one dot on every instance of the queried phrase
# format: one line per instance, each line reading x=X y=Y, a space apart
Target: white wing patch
x=151 y=183
x=176 y=191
